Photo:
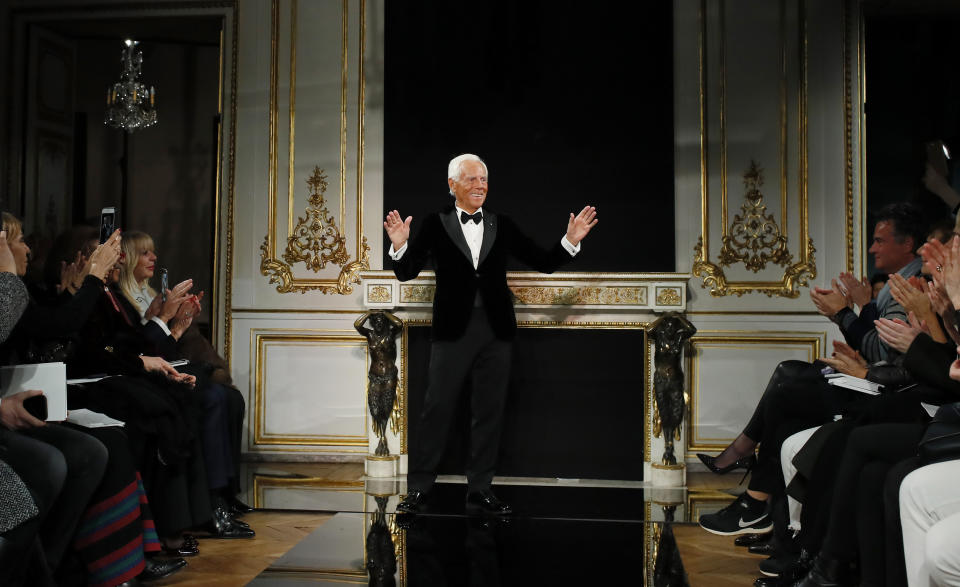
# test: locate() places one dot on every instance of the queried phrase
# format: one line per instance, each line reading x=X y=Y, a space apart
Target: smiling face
x=146 y=262
x=470 y=189
x=889 y=255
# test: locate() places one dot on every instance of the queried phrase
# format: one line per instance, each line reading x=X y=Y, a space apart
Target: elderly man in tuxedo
x=473 y=322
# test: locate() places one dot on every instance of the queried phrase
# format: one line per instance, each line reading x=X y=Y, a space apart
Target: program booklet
x=50 y=378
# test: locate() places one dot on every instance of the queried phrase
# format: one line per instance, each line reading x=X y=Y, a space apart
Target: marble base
x=376 y=466
x=668 y=475
x=381 y=486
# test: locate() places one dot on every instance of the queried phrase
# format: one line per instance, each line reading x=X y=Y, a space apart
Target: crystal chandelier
x=130 y=104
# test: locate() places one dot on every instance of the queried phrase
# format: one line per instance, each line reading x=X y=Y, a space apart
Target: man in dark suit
x=473 y=322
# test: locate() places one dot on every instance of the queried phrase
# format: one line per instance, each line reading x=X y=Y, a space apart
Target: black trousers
x=857 y=508
x=797 y=397
x=483 y=358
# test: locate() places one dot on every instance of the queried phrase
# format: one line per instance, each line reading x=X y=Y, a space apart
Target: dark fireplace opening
x=575 y=409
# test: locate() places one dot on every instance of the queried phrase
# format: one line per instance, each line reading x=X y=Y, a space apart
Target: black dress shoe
x=224 y=526
x=237 y=507
x=764 y=548
x=488 y=503
x=239 y=523
x=189 y=547
x=748 y=539
x=155 y=569
x=413 y=502
x=131 y=583
x=826 y=572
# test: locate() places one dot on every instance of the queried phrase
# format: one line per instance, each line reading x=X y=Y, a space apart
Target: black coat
x=458 y=283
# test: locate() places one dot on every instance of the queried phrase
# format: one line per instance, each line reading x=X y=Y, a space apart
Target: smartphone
x=36 y=406
x=937 y=157
x=164 y=284
x=108 y=223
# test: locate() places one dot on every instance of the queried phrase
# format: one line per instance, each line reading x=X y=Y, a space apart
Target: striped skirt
x=117 y=528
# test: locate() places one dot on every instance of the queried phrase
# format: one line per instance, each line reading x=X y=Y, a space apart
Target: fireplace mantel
x=643 y=292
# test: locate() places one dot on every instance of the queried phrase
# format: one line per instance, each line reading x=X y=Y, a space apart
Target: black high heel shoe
x=746 y=462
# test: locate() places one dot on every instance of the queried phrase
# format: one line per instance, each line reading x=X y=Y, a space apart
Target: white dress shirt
x=473 y=233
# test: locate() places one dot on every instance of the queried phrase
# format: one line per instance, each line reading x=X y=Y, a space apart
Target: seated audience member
x=19 y=515
x=115 y=517
x=162 y=411
x=224 y=406
x=930 y=516
x=844 y=516
x=797 y=396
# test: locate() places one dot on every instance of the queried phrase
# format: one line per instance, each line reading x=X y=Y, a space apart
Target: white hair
x=455 y=168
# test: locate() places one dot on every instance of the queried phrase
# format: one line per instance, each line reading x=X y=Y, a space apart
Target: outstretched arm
x=579 y=226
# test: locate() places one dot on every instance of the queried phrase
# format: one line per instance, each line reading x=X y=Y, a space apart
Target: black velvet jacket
x=441 y=238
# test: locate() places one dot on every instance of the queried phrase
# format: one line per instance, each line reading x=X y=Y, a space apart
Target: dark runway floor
x=558 y=536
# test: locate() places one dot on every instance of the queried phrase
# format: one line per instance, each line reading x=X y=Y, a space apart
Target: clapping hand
x=859 y=291
x=166 y=310
x=398 y=230
x=846 y=360
x=899 y=335
x=946 y=259
x=579 y=226
x=910 y=295
x=829 y=301
x=187 y=311
x=70 y=274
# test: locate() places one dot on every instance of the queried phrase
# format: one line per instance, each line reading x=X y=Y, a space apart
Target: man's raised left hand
x=579 y=226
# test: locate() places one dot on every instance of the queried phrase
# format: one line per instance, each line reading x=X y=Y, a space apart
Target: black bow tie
x=476 y=217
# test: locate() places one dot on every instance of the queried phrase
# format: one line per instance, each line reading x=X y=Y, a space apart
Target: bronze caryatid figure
x=669 y=333
x=382 y=389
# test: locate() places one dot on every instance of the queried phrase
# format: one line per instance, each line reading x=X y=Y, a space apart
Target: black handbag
x=941 y=440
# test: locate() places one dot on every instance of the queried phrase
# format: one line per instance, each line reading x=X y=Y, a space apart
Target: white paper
x=90 y=419
x=854 y=385
x=50 y=378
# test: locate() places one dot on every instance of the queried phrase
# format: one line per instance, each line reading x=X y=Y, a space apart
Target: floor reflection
x=454 y=550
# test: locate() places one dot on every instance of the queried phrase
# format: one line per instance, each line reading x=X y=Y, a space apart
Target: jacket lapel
x=489 y=234
x=452 y=225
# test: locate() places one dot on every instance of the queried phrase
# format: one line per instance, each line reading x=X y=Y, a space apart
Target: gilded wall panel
x=754 y=233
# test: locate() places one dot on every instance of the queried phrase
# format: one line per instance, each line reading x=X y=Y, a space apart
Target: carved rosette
x=754 y=237
x=316 y=241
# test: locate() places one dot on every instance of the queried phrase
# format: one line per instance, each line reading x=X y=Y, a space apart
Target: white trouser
x=789 y=449
x=929 y=504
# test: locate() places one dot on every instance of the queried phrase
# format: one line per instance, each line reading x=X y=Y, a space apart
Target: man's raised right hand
x=397 y=229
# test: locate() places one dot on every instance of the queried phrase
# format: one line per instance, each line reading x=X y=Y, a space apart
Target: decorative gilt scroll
x=316 y=241
x=754 y=238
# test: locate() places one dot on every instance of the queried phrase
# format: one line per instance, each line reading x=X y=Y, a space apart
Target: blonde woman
x=226 y=407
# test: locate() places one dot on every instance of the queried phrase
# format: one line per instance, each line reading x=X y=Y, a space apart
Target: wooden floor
x=709 y=560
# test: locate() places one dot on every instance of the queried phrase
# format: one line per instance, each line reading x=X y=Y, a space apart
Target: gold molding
x=258 y=341
x=735 y=341
x=712 y=274
x=279 y=271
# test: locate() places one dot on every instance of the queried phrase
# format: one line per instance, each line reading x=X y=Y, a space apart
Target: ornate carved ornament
x=316 y=241
x=755 y=239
